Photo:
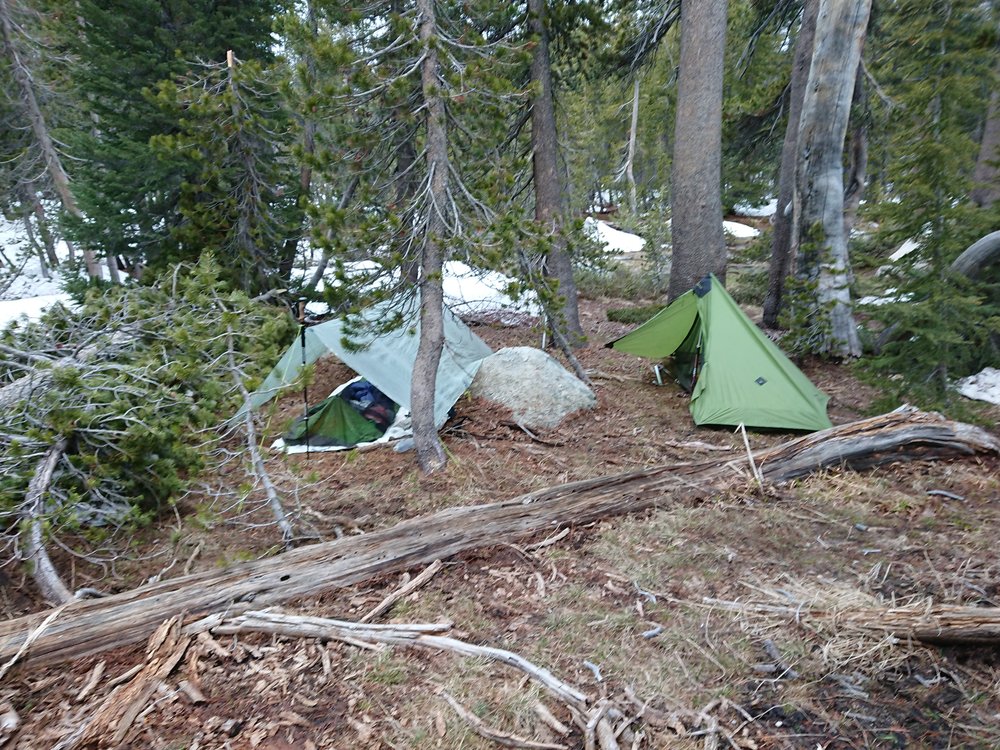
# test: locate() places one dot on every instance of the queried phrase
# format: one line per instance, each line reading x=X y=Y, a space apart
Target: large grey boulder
x=536 y=388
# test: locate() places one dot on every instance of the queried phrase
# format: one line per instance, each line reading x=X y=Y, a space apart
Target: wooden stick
x=405 y=590
x=425 y=635
x=501 y=738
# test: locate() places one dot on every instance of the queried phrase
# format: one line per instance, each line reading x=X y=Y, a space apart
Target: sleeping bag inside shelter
x=375 y=406
x=735 y=374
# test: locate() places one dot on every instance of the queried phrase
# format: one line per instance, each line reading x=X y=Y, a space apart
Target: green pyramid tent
x=735 y=373
x=383 y=359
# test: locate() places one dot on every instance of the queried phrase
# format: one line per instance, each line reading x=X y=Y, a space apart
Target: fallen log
x=921 y=621
x=91 y=626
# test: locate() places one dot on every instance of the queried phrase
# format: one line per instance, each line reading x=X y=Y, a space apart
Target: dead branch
x=426 y=635
x=257 y=466
x=495 y=735
x=94 y=625
x=42 y=569
x=923 y=621
x=405 y=590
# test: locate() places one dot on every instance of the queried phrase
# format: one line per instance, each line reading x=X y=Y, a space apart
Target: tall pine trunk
x=39 y=128
x=430 y=452
x=699 y=246
x=819 y=194
x=781 y=242
x=987 y=173
x=549 y=203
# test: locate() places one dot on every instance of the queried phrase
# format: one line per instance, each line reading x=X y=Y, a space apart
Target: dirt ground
x=646 y=610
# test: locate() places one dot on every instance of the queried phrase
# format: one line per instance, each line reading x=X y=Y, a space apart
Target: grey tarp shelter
x=385 y=359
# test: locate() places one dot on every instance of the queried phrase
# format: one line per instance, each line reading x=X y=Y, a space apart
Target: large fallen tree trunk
x=90 y=626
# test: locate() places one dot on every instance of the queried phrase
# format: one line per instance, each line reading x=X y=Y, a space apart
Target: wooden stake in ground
x=90 y=626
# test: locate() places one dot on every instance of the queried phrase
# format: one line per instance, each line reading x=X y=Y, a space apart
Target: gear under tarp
x=735 y=373
x=332 y=422
x=385 y=359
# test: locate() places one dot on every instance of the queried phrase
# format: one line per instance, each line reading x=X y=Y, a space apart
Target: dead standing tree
x=819 y=188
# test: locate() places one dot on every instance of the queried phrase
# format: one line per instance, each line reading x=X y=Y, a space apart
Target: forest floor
x=839 y=537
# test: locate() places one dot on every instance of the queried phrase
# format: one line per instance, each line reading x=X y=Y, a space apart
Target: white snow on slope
x=983 y=386
x=30 y=294
x=740 y=231
x=614 y=240
x=763 y=211
x=905 y=249
x=468 y=291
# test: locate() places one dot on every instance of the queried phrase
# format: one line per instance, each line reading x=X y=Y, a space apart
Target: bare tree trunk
x=781 y=243
x=819 y=195
x=633 y=129
x=53 y=162
x=987 y=172
x=430 y=452
x=699 y=246
x=549 y=203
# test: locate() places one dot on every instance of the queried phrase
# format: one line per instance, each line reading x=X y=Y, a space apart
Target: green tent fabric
x=386 y=359
x=332 y=421
x=735 y=373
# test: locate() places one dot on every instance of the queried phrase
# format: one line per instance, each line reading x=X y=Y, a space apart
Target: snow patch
x=614 y=240
x=764 y=210
x=29 y=308
x=983 y=386
x=905 y=249
x=740 y=231
x=29 y=294
x=469 y=292
x=888 y=298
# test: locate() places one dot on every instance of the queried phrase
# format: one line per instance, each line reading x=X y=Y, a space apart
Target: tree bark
x=986 y=175
x=39 y=128
x=550 y=207
x=699 y=246
x=90 y=626
x=427 y=442
x=781 y=243
x=819 y=185
x=633 y=130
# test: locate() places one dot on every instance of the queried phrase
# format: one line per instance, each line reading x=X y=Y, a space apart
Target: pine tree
x=129 y=194
x=936 y=62
x=238 y=200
